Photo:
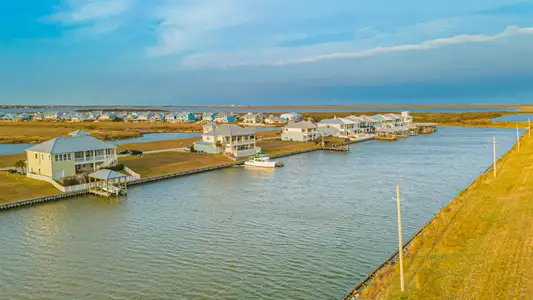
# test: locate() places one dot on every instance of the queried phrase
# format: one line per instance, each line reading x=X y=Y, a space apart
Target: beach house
x=291 y=117
x=304 y=131
x=407 y=119
x=225 y=118
x=183 y=117
x=253 y=118
x=346 y=127
x=273 y=120
x=229 y=139
x=68 y=156
x=208 y=116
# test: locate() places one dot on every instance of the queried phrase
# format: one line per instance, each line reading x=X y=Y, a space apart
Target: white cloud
x=335 y=51
x=91 y=16
x=188 y=27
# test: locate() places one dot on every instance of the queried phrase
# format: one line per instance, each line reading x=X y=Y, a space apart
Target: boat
x=262 y=160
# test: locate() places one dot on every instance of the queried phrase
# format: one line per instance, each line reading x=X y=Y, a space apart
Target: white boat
x=263 y=161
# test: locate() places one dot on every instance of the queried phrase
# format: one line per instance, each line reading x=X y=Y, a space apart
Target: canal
x=310 y=230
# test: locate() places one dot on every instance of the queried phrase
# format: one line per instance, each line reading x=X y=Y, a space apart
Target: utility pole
x=494 y=154
x=517 y=137
x=400 y=242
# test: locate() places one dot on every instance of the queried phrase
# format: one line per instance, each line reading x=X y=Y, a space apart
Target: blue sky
x=265 y=51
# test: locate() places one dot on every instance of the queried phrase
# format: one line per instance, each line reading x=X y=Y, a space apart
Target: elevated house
x=396 y=120
x=346 y=127
x=68 y=156
x=291 y=117
x=304 y=131
x=225 y=118
x=183 y=117
x=407 y=119
x=53 y=116
x=38 y=116
x=365 y=125
x=273 y=120
x=208 y=116
x=253 y=118
x=229 y=139
x=22 y=117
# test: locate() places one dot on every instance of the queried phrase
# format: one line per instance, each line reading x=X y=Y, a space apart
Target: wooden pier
x=335 y=144
x=107 y=183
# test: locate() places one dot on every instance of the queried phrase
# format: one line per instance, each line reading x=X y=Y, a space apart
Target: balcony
x=91 y=159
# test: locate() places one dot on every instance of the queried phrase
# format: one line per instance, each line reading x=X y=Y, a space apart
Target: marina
x=239 y=229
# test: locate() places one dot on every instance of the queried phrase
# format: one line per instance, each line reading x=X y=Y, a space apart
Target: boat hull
x=271 y=164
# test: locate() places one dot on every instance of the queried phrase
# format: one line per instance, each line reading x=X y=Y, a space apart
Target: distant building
x=304 y=131
x=208 y=116
x=291 y=117
x=183 y=117
x=225 y=118
x=229 y=139
x=68 y=156
x=273 y=120
x=253 y=118
x=346 y=127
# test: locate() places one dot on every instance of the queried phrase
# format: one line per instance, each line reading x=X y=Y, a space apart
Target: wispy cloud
x=298 y=56
x=191 y=26
x=91 y=16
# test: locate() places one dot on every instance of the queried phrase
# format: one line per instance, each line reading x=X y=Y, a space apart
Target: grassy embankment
x=33 y=132
x=16 y=187
x=478 y=247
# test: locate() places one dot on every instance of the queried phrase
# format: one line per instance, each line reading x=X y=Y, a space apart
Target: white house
x=346 y=127
x=291 y=117
x=407 y=119
x=229 y=139
x=253 y=118
x=272 y=120
x=304 y=131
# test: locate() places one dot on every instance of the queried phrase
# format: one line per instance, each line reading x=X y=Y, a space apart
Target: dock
x=335 y=144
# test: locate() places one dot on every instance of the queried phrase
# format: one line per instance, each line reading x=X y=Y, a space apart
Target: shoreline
x=383 y=279
x=60 y=196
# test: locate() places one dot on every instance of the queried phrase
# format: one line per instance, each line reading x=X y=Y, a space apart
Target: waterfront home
x=253 y=118
x=329 y=131
x=304 y=131
x=407 y=119
x=225 y=118
x=198 y=117
x=365 y=124
x=93 y=115
x=208 y=116
x=183 y=117
x=273 y=120
x=6 y=117
x=53 y=116
x=229 y=139
x=79 y=118
x=346 y=127
x=38 y=116
x=21 y=117
x=396 y=120
x=68 y=156
x=291 y=117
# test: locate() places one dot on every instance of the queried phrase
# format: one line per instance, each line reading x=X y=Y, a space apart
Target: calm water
x=514 y=118
x=310 y=230
x=13 y=148
x=163 y=136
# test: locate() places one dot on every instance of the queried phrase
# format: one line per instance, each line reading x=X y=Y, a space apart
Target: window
x=57 y=157
x=36 y=156
x=42 y=156
x=68 y=156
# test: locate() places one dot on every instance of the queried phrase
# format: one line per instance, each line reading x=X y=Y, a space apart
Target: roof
x=231 y=130
x=106 y=174
x=303 y=124
x=70 y=144
x=337 y=121
x=79 y=132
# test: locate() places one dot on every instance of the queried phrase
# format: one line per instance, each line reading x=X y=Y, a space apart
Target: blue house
x=225 y=118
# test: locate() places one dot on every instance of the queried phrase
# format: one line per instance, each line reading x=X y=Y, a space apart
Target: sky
x=206 y=52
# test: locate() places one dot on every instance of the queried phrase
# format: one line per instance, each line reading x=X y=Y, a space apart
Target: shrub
x=118 y=167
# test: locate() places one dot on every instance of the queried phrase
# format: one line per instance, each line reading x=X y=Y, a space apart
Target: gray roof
x=106 y=174
x=231 y=130
x=303 y=124
x=79 y=132
x=70 y=144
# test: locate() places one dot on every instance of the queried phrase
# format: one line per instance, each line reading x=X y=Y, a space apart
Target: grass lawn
x=9 y=160
x=281 y=147
x=17 y=187
x=158 y=145
x=171 y=162
x=480 y=246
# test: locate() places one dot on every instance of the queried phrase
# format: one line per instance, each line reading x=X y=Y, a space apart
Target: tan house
x=68 y=156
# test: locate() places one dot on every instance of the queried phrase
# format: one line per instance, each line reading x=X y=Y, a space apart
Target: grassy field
x=479 y=246
x=171 y=162
x=16 y=187
x=36 y=132
x=282 y=147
